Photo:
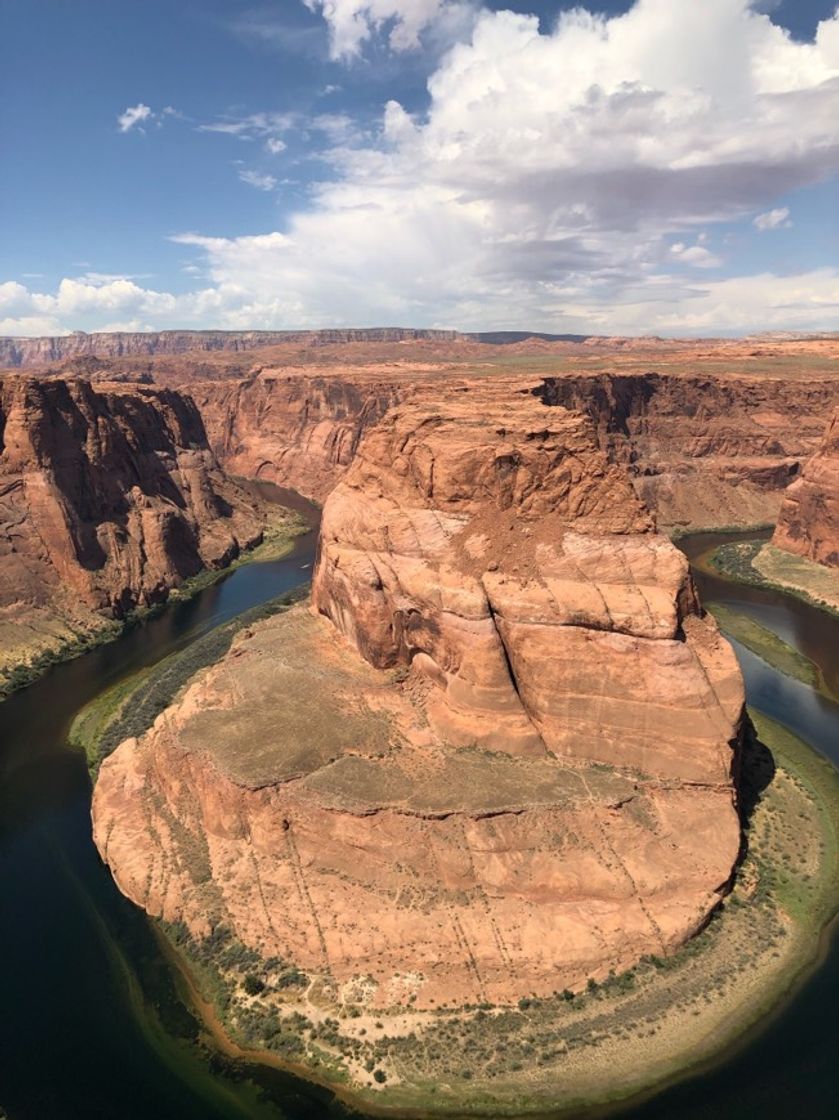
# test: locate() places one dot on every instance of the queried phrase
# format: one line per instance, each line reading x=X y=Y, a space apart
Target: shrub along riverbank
x=768 y=646
x=760 y=564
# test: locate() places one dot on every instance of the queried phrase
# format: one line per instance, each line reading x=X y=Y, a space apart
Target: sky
x=666 y=167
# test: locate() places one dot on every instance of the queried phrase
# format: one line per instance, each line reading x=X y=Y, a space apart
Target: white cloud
x=252 y=126
x=353 y=22
x=257 y=179
x=697 y=255
x=134 y=116
x=546 y=186
x=275 y=146
x=773 y=219
x=805 y=301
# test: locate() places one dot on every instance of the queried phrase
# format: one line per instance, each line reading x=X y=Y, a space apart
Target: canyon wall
x=808 y=524
x=109 y=497
x=496 y=758
x=295 y=430
x=27 y=352
x=701 y=451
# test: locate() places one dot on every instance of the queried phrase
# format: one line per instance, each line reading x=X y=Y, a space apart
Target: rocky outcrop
x=495 y=759
x=703 y=451
x=108 y=499
x=808 y=524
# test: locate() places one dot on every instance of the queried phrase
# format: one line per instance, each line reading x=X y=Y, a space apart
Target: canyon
x=496 y=757
x=109 y=498
x=710 y=431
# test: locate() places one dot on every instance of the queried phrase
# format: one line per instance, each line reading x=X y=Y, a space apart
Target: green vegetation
x=278 y=538
x=619 y=1035
x=15 y=677
x=760 y=564
x=130 y=707
x=767 y=645
x=680 y=532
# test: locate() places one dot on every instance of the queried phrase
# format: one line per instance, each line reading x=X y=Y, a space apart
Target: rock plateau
x=495 y=758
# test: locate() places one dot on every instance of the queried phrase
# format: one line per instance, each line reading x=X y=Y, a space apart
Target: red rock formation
x=808 y=524
x=300 y=432
x=524 y=781
x=701 y=451
x=28 y=352
x=489 y=543
x=108 y=499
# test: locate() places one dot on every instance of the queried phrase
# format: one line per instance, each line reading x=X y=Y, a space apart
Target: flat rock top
x=289 y=703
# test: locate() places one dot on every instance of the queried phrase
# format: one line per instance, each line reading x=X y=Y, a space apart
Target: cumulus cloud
x=257 y=179
x=134 y=116
x=696 y=255
x=773 y=219
x=353 y=22
x=556 y=181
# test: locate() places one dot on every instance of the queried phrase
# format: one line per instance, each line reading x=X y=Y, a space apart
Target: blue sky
x=660 y=166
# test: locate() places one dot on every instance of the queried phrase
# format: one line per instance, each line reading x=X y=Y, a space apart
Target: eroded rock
x=494 y=760
x=808 y=524
x=109 y=497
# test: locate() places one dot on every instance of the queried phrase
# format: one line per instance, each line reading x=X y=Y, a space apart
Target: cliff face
x=701 y=451
x=300 y=432
x=108 y=499
x=27 y=352
x=494 y=760
x=808 y=524
x=491 y=544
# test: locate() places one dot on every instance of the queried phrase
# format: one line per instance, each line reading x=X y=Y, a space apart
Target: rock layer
x=108 y=499
x=512 y=772
x=300 y=432
x=28 y=352
x=701 y=451
x=808 y=524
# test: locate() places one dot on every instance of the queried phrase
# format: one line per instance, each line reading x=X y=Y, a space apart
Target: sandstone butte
x=495 y=757
x=808 y=524
x=109 y=497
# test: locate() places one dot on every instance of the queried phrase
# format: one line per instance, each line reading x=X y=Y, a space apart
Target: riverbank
x=131 y=705
x=633 y=1033
x=57 y=640
x=769 y=647
x=760 y=564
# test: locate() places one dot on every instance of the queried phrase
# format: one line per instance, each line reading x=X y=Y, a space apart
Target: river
x=91 y=1025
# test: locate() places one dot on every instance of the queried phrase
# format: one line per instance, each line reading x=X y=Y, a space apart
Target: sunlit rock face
x=487 y=542
x=808 y=524
x=493 y=758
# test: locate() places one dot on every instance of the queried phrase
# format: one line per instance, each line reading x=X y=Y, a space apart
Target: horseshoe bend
x=493 y=759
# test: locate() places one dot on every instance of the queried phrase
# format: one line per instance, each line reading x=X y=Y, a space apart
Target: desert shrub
x=253 y=985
